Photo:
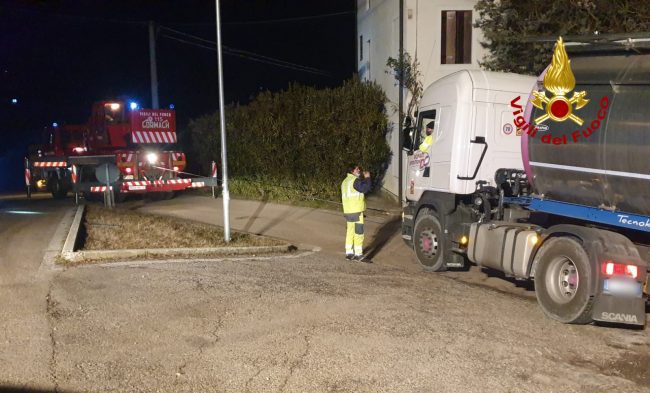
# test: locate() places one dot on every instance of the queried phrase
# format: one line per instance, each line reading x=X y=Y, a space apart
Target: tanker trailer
x=573 y=213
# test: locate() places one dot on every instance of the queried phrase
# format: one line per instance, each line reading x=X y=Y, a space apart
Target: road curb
x=198 y=260
x=73 y=234
x=57 y=242
x=171 y=252
x=68 y=252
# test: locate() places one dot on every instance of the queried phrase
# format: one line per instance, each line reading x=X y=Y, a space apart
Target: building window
x=361 y=48
x=456 y=37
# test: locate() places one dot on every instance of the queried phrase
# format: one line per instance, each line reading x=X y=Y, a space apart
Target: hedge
x=302 y=138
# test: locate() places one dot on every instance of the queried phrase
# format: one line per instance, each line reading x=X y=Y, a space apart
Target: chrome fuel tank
x=605 y=162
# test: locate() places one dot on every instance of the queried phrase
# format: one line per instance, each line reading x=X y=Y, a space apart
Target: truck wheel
x=91 y=196
x=428 y=240
x=57 y=188
x=120 y=197
x=562 y=281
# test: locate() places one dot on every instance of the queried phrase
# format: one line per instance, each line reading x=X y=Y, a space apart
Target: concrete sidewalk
x=301 y=225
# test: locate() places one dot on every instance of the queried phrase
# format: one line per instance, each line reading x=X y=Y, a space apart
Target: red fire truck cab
x=120 y=149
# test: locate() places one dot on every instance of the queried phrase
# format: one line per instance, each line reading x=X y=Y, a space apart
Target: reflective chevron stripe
x=50 y=164
x=153 y=137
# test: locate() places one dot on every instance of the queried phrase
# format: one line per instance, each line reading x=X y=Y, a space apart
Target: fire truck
x=119 y=151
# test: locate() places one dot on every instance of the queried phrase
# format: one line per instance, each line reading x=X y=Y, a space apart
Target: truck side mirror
x=407 y=139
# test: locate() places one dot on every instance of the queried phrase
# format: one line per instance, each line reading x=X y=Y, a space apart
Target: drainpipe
x=400 y=193
x=356 y=38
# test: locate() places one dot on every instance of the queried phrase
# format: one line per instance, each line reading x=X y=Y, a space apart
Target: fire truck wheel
x=428 y=240
x=168 y=195
x=57 y=188
x=562 y=280
x=120 y=197
x=90 y=196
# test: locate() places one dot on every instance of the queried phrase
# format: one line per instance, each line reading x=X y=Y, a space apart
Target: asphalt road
x=311 y=322
x=26 y=228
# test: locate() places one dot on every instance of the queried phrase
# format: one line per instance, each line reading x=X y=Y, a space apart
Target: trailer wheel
x=562 y=281
x=428 y=240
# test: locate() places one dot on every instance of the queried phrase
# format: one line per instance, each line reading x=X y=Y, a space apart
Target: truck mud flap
x=622 y=310
x=408 y=222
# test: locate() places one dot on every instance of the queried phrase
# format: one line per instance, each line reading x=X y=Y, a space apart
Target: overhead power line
x=270 y=21
x=296 y=19
x=238 y=53
x=212 y=48
x=269 y=60
x=211 y=45
x=243 y=52
x=45 y=12
x=192 y=36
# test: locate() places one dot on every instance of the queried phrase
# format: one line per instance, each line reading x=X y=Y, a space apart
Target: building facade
x=438 y=33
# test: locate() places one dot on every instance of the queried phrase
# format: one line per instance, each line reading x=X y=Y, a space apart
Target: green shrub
x=297 y=143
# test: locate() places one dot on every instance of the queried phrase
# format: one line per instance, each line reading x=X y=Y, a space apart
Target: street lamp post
x=152 y=65
x=222 y=121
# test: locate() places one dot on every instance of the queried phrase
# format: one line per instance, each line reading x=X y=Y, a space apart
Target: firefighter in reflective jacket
x=353 y=190
x=428 y=140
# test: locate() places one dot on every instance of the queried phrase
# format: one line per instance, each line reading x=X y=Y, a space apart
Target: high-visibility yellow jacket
x=424 y=146
x=353 y=200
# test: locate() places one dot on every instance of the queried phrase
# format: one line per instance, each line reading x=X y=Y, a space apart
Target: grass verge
x=119 y=229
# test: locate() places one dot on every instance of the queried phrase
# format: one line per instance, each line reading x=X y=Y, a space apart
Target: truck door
x=441 y=150
x=419 y=161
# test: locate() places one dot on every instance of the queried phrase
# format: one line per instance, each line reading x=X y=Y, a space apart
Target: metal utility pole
x=222 y=119
x=152 y=65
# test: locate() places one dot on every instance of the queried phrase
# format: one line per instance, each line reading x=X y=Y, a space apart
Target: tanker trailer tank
x=599 y=155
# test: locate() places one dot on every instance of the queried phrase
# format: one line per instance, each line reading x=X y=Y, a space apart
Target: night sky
x=58 y=57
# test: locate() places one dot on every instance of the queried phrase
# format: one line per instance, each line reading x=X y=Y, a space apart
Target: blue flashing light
x=14 y=100
x=55 y=124
x=171 y=106
x=133 y=105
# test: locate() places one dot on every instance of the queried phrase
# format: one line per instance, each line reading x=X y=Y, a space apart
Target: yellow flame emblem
x=559 y=80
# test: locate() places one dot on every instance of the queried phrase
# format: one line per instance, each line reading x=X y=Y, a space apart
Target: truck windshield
x=72 y=138
x=114 y=112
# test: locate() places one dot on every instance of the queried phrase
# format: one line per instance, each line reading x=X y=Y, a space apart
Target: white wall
x=378 y=22
x=423 y=36
x=380 y=26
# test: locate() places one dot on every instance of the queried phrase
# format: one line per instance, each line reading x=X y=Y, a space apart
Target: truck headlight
x=152 y=158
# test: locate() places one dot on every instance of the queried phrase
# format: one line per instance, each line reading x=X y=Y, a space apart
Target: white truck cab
x=473 y=136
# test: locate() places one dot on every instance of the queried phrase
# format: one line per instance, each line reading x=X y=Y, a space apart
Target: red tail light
x=611 y=268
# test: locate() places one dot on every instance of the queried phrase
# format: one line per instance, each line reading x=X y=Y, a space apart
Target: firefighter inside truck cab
x=113 y=113
x=428 y=138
